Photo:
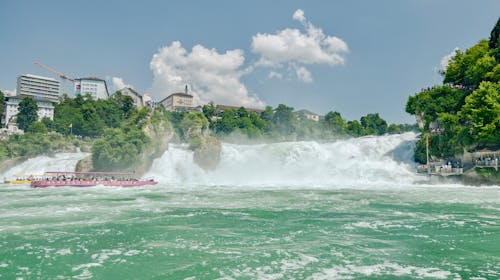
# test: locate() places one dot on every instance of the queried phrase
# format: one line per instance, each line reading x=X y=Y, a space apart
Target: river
x=349 y=209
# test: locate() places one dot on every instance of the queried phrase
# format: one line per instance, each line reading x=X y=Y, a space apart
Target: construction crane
x=63 y=77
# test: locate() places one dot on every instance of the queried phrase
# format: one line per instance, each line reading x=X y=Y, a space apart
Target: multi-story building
x=136 y=97
x=38 y=87
x=96 y=87
x=308 y=115
x=180 y=101
x=45 y=108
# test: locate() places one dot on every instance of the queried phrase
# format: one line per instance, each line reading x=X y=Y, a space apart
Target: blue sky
x=355 y=57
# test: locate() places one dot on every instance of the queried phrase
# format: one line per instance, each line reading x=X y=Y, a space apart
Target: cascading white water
x=41 y=164
x=368 y=161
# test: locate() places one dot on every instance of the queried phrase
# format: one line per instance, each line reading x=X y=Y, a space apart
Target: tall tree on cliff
x=494 y=42
x=27 y=113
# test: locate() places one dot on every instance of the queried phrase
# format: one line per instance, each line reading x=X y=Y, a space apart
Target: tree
x=354 y=128
x=481 y=113
x=268 y=114
x=335 y=122
x=37 y=127
x=193 y=125
x=393 y=129
x=49 y=124
x=374 y=124
x=494 y=41
x=284 y=119
x=27 y=113
x=462 y=67
x=209 y=110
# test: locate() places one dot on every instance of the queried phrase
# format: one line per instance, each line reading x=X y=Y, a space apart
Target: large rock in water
x=84 y=165
x=159 y=134
x=207 y=154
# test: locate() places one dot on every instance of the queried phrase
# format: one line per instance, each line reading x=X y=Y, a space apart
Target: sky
x=355 y=57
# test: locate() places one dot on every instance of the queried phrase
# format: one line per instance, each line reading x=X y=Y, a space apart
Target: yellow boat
x=18 y=181
x=23 y=179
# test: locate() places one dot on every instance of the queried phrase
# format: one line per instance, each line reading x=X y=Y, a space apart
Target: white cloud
x=118 y=83
x=211 y=76
x=303 y=74
x=275 y=75
x=299 y=15
x=445 y=60
x=293 y=46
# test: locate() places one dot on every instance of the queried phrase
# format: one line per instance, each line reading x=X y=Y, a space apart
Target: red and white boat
x=90 y=179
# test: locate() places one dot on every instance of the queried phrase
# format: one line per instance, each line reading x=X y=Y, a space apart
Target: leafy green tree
x=477 y=71
x=49 y=124
x=4 y=151
x=494 y=42
x=194 y=125
x=430 y=103
x=209 y=110
x=268 y=114
x=284 y=119
x=481 y=113
x=124 y=102
x=373 y=124
x=37 y=127
x=393 y=129
x=27 y=113
x=92 y=124
x=118 y=150
x=335 y=122
x=354 y=128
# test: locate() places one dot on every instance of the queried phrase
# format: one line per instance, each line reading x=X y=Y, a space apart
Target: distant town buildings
x=308 y=115
x=148 y=102
x=38 y=87
x=45 y=91
x=180 y=101
x=138 y=99
x=96 y=87
x=45 y=108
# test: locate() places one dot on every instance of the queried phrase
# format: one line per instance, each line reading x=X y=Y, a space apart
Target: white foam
x=370 y=161
x=41 y=164
x=387 y=268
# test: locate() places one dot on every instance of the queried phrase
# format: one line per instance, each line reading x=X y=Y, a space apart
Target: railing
x=482 y=163
x=440 y=169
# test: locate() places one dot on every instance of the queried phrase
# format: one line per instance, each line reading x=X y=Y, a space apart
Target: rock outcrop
x=159 y=133
x=207 y=154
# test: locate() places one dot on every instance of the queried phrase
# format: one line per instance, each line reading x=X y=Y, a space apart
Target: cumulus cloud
x=303 y=74
x=293 y=46
x=445 y=60
x=118 y=83
x=211 y=76
x=299 y=15
x=275 y=75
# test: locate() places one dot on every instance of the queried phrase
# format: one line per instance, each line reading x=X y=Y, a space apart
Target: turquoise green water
x=241 y=233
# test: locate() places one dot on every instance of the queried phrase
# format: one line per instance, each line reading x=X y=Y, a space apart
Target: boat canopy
x=90 y=173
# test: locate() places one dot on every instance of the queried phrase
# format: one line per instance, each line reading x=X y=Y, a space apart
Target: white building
x=308 y=115
x=45 y=108
x=136 y=97
x=178 y=102
x=38 y=87
x=96 y=87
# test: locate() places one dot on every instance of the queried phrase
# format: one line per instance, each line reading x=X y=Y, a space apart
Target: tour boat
x=23 y=179
x=90 y=179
